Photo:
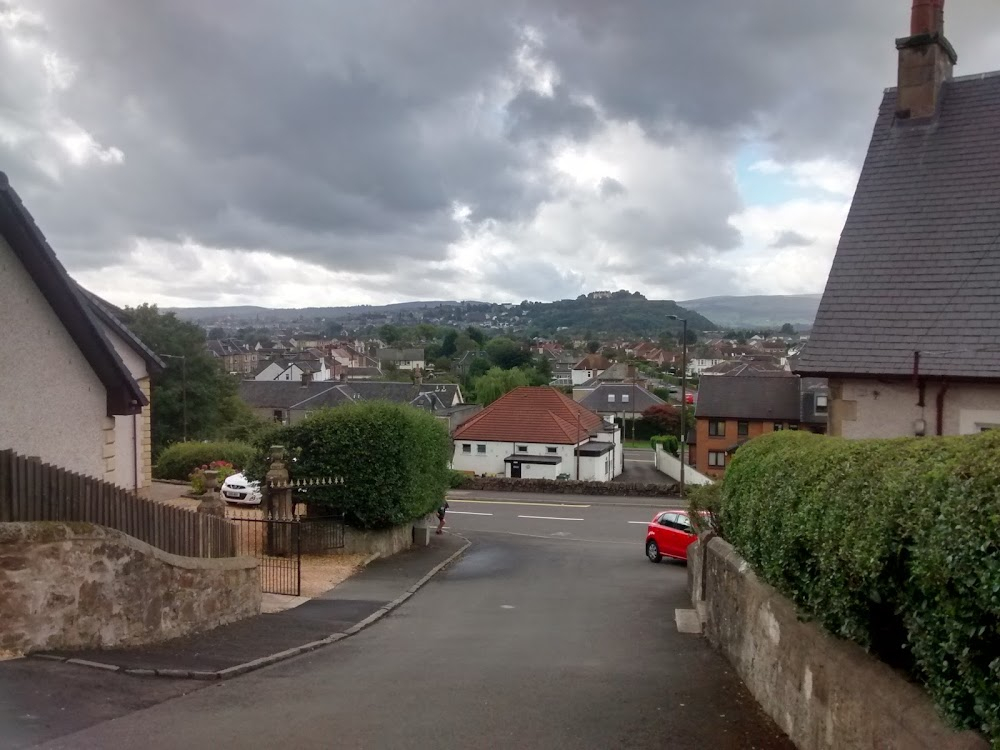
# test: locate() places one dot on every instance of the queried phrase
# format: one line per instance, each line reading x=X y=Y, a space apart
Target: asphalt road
x=537 y=641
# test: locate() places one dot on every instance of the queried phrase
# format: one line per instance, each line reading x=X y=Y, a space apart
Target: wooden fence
x=33 y=491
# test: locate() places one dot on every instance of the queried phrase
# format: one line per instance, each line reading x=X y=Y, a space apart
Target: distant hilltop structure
x=611 y=295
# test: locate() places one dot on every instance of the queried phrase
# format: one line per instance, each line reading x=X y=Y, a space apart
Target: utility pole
x=684 y=350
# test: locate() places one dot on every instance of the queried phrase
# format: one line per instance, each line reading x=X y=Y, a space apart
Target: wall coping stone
x=51 y=532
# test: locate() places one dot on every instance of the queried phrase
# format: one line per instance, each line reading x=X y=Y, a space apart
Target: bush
x=393 y=459
x=705 y=507
x=456 y=479
x=894 y=544
x=671 y=443
x=181 y=459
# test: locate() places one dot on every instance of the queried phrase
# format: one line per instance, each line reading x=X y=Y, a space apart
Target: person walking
x=441 y=511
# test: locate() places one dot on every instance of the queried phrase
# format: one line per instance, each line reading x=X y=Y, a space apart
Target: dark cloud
x=790 y=238
x=347 y=134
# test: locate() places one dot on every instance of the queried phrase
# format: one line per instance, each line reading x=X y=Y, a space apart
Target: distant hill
x=761 y=311
x=249 y=313
x=624 y=314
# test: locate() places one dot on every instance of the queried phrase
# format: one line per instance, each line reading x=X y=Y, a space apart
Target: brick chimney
x=926 y=59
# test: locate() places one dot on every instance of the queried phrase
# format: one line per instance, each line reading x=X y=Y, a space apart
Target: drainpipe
x=940 y=407
x=135 y=450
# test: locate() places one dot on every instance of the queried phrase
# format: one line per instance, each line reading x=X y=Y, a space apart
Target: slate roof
x=749 y=366
x=71 y=306
x=111 y=316
x=400 y=355
x=918 y=266
x=639 y=399
x=289 y=394
x=749 y=398
x=529 y=414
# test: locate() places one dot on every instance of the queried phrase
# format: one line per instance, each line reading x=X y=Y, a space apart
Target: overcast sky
x=313 y=153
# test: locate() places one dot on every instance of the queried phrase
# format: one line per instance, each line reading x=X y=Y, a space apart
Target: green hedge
x=894 y=544
x=671 y=443
x=393 y=458
x=180 y=459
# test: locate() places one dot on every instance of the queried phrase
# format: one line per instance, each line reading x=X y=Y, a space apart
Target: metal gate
x=279 y=543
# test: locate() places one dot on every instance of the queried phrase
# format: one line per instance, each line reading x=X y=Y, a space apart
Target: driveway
x=639 y=468
x=522 y=643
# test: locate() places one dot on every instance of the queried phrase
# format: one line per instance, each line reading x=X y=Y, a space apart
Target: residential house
x=289 y=402
x=562 y=369
x=732 y=410
x=698 y=365
x=234 y=356
x=619 y=372
x=402 y=359
x=538 y=433
x=293 y=368
x=351 y=356
x=908 y=328
x=589 y=367
x=463 y=364
x=75 y=382
x=620 y=400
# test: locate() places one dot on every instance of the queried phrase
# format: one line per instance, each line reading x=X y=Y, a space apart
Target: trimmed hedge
x=894 y=544
x=393 y=459
x=671 y=443
x=180 y=459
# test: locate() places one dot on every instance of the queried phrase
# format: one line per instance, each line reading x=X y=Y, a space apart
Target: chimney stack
x=306 y=379
x=926 y=59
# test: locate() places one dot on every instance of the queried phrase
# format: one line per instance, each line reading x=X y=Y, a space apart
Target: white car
x=236 y=489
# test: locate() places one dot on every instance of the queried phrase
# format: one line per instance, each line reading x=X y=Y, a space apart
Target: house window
x=716 y=428
x=611 y=398
x=550 y=449
x=717 y=459
x=778 y=427
x=743 y=429
x=522 y=449
x=481 y=448
x=466 y=448
x=821 y=404
x=793 y=427
x=624 y=398
x=279 y=415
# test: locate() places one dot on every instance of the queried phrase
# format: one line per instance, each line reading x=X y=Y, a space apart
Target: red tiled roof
x=532 y=415
x=593 y=362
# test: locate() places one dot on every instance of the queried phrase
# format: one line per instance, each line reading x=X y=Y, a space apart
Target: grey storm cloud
x=346 y=134
x=790 y=238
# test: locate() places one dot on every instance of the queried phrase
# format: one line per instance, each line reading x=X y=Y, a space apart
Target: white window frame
x=713 y=459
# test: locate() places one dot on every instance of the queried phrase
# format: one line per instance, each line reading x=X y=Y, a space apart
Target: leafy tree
x=390 y=334
x=476 y=335
x=665 y=417
x=692 y=337
x=449 y=345
x=190 y=372
x=465 y=343
x=506 y=353
x=425 y=331
x=544 y=369
x=788 y=329
x=593 y=346
x=496 y=382
x=432 y=352
x=217 y=333
x=480 y=366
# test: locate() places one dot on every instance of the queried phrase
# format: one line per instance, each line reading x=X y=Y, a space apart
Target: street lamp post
x=684 y=353
x=184 y=387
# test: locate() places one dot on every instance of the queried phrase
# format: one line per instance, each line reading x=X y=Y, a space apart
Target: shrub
x=456 y=479
x=671 y=443
x=705 y=507
x=894 y=544
x=393 y=459
x=223 y=469
x=181 y=459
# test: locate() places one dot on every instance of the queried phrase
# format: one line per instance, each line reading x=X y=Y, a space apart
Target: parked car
x=668 y=535
x=689 y=398
x=236 y=489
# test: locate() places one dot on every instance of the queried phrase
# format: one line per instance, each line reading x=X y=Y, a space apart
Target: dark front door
x=515 y=469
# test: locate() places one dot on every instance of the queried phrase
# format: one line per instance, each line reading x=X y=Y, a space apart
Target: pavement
x=234 y=649
x=522 y=642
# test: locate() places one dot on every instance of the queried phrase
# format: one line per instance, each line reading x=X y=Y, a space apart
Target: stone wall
x=823 y=692
x=384 y=542
x=568 y=487
x=77 y=585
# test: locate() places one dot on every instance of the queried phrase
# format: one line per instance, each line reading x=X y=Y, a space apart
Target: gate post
x=279 y=505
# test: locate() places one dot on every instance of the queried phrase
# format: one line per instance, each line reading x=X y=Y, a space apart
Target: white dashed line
x=551 y=518
x=643 y=523
x=466 y=513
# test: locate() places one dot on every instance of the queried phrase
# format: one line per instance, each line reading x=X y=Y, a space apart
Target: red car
x=668 y=535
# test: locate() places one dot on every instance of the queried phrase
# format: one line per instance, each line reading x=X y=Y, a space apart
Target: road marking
x=517 y=502
x=551 y=518
x=644 y=523
x=468 y=513
x=638 y=461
